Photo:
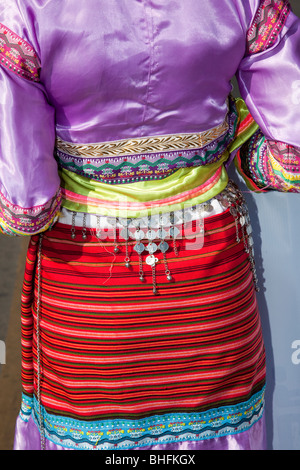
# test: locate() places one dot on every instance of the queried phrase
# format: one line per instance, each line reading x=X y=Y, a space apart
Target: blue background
x=275 y=221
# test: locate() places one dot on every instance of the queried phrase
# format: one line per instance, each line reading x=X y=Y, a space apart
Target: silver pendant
x=187 y=216
x=111 y=221
x=151 y=260
x=174 y=232
x=242 y=220
x=162 y=234
x=139 y=235
x=134 y=223
x=139 y=248
x=154 y=221
x=124 y=222
x=163 y=246
x=151 y=234
x=151 y=248
x=165 y=220
x=124 y=234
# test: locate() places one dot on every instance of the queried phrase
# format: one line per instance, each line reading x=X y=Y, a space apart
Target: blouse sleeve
x=29 y=182
x=269 y=82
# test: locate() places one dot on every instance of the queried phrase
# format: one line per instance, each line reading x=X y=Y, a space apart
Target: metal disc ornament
x=139 y=248
x=163 y=246
x=151 y=248
x=151 y=260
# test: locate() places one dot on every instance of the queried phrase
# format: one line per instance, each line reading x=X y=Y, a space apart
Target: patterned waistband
x=148 y=158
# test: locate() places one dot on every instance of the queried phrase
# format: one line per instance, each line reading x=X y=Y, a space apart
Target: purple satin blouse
x=105 y=70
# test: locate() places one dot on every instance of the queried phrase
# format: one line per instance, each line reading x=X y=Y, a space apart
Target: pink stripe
x=149 y=356
x=149 y=306
x=245 y=123
x=59 y=405
x=141 y=333
x=184 y=378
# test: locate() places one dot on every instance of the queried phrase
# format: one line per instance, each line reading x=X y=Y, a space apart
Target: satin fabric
x=27 y=437
x=134 y=200
x=111 y=70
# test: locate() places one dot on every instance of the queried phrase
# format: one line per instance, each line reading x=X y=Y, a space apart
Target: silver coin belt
x=157 y=233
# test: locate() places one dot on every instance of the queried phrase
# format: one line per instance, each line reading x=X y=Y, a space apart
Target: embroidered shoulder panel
x=18 y=56
x=268 y=23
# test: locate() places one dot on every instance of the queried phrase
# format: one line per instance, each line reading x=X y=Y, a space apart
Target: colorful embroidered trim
x=165 y=429
x=269 y=164
x=147 y=158
x=15 y=220
x=245 y=129
x=268 y=23
x=144 y=145
x=18 y=55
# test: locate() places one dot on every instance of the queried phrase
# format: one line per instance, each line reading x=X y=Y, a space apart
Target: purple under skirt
x=27 y=437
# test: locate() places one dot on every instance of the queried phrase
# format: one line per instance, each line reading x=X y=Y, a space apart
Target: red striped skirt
x=107 y=363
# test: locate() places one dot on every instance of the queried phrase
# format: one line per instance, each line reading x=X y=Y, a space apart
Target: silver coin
x=139 y=235
x=134 y=223
x=162 y=234
x=124 y=222
x=174 y=232
x=154 y=221
x=188 y=216
x=111 y=221
x=139 y=248
x=124 y=234
x=151 y=248
x=151 y=260
x=151 y=234
x=165 y=219
x=143 y=222
x=163 y=246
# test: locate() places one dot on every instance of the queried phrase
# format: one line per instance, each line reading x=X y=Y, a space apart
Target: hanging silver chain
x=38 y=345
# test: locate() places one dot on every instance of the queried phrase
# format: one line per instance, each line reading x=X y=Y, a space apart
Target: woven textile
x=269 y=165
x=121 y=367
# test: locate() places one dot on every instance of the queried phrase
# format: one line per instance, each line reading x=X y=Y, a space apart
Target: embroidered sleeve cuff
x=16 y=220
x=269 y=165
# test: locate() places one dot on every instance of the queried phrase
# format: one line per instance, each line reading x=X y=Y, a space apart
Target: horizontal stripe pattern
x=112 y=350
